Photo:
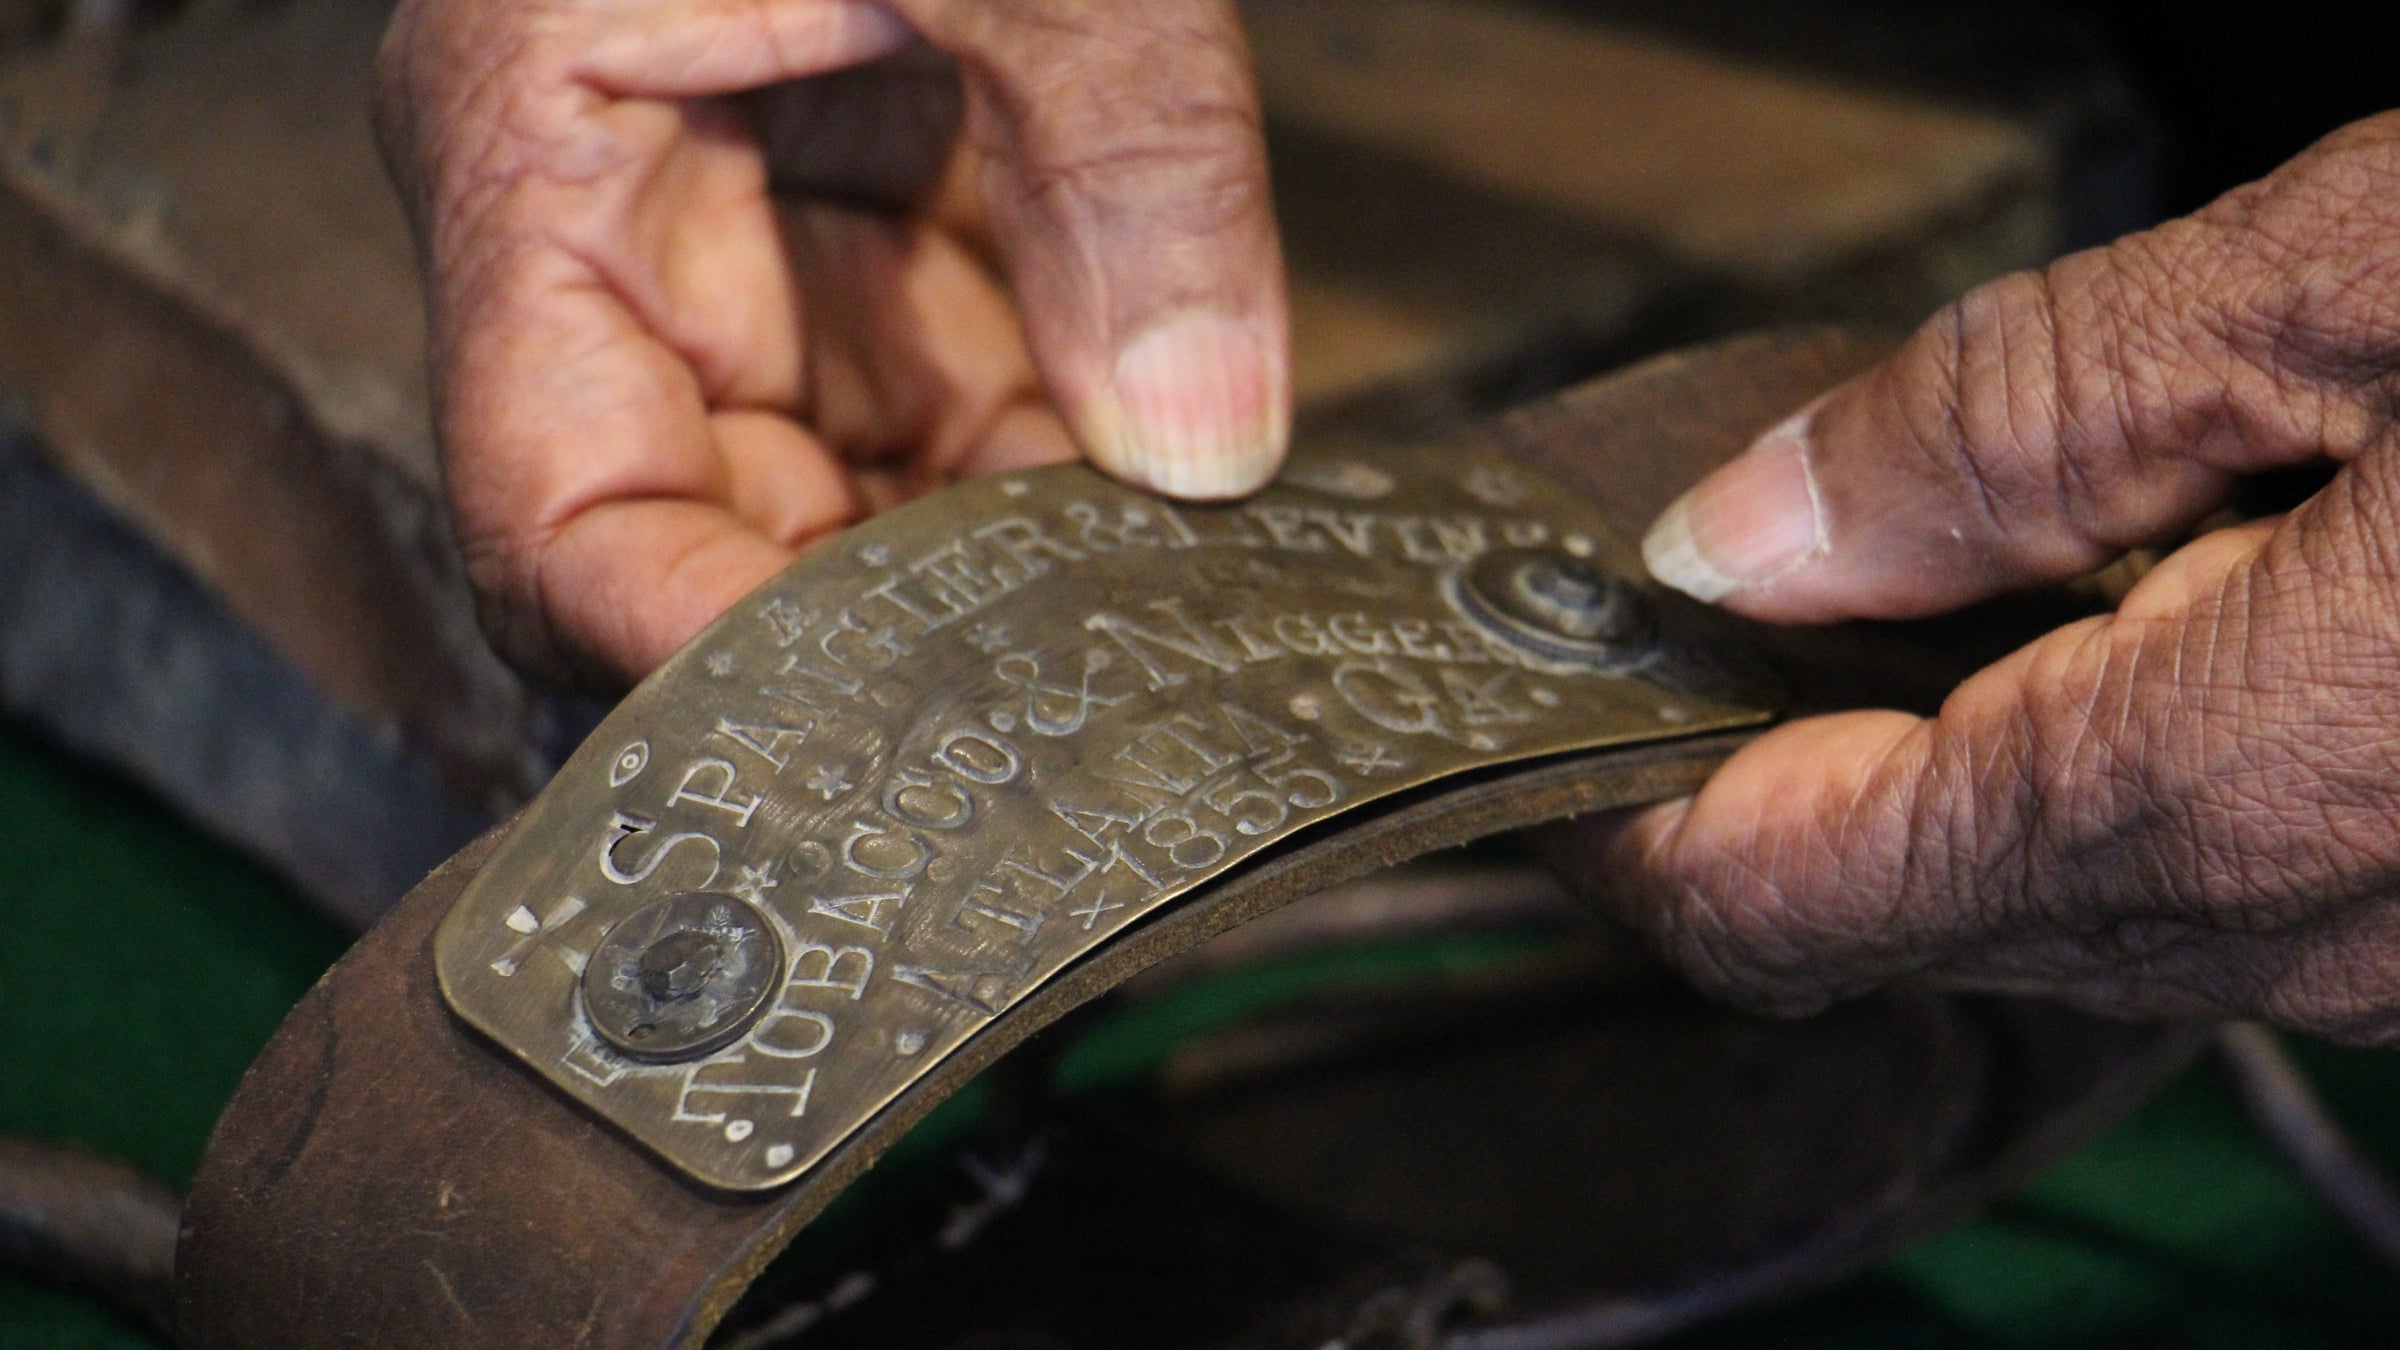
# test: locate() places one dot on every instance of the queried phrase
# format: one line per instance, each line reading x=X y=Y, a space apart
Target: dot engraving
x=629 y=764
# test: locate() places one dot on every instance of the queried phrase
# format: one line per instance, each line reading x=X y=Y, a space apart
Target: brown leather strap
x=384 y=1176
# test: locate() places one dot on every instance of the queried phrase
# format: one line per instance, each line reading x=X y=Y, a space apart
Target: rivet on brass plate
x=679 y=978
x=1556 y=604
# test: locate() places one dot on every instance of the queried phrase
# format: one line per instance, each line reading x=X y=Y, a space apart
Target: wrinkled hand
x=2191 y=806
x=709 y=278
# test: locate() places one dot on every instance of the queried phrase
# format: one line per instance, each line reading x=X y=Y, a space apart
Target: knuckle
x=1154 y=109
x=2018 y=396
x=1191 y=168
x=2309 y=295
x=507 y=571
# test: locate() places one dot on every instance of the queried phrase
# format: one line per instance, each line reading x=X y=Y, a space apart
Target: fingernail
x=1199 y=409
x=1750 y=522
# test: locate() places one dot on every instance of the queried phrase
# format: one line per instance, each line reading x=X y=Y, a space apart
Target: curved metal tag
x=965 y=744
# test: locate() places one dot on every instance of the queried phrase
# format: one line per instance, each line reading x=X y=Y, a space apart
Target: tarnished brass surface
x=962 y=747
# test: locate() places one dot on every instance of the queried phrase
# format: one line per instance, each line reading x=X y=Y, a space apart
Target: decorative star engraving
x=1370 y=758
x=875 y=555
x=828 y=781
x=988 y=638
x=720 y=664
x=755 y=882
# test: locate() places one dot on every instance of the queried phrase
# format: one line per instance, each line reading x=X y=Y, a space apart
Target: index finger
x=1125 y=177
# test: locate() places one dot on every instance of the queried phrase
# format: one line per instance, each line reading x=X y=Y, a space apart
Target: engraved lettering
x=1188 y=844
x=588 y=1058
x=1416 y=639
x=1095 y=823
x=957 y=579
x=979 y=758
x=1462 y=538
x=1254 y=647
x=1259 y=735
x=1022 y=542
x=1103 y=867
x=983 y=991
x=720 y=797
x=888 y=590
x=1413 y=544
x=1484 y=702
x=1301 y=633
x=854 y=646
x=687 y=1113
x=765 y=740
x=889 y=855
x=864 y=910
x=1358 y=633
x=1058 y=883
x=846 y=685
x=1169 y=759
x=1388 y=696
x=830 y=976
x=1470 y=643
x=914 y=798
x=623 y=827
x=976 y=906
x=1288 y=527
x=1237 y=533
x=1134 y=527
x=1056 y=709
x=818 y=1028
x=1142 y=644
x=1184 y=537
x=1353 y=530
x=788 y=622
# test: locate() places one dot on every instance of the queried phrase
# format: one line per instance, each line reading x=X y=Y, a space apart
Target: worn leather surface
x=386 y=1178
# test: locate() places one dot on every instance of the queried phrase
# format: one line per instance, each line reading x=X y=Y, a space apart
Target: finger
x=606 y=513
x=881 y=134
x=2051 y=420
x=915 y=356
x=1125 y=182
x=2116 y=780
x=704 y=48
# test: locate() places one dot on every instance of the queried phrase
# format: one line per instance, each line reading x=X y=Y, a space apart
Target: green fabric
x=141 y=967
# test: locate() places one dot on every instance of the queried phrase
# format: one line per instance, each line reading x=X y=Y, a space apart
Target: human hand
x=2189 y=807
x=708 y=278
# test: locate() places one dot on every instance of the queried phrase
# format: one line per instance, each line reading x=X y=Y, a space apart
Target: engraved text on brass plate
x=961 y=746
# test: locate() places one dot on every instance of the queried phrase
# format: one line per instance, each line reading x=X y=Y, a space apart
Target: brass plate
x=965 y=744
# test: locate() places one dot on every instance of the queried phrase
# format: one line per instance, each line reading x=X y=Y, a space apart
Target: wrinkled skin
x=711 y=279
x=2189 y=807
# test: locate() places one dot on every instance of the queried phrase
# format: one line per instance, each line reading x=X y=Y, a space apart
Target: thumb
x=2051 y=420
x=1125 y=179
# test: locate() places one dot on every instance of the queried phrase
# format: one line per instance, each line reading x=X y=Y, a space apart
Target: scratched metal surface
x=968 y=743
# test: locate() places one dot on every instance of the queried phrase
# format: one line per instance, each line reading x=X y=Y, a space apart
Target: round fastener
x=682 y=976
x=1555 y=603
